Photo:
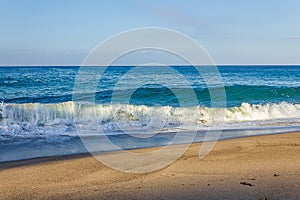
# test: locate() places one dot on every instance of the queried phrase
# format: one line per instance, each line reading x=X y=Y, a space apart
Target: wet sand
x=261 y=167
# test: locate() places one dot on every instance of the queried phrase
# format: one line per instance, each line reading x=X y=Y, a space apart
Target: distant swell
x=236 y=95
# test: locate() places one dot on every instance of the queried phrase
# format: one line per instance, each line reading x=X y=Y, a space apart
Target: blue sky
x=63 y=32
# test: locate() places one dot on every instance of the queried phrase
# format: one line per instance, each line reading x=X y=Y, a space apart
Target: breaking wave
x=30 y=115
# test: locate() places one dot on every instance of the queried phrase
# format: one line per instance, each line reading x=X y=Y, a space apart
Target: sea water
x=38 y=116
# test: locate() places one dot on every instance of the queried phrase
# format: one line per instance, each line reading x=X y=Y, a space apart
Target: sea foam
x=69 y=114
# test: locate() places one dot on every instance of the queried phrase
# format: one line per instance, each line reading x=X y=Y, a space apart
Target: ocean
x=39 y=117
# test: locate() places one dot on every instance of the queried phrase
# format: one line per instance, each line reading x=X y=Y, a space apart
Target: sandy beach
x=262 y=167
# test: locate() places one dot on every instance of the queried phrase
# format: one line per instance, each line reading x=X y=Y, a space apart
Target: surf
x=70 y=113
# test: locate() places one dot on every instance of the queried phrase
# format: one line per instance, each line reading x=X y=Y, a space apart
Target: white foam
x=61 y=118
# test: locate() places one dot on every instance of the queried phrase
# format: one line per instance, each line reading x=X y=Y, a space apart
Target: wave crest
x=69 y=112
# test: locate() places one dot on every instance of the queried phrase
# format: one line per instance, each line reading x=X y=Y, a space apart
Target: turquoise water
x=252 y=84
x=38 y=116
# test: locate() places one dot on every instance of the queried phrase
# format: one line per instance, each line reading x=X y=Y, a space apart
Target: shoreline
x=255 y=167
x=37 y=160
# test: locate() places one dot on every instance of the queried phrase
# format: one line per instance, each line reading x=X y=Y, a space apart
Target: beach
x=259 y=167
x=149 y=100
x=47 y=132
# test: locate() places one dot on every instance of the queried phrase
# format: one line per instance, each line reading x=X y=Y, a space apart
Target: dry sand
x=264 y=167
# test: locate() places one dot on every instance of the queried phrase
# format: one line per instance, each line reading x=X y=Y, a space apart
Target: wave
x=70 y=112
x=33 y=122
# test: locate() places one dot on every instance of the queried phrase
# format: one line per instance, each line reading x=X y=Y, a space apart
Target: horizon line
x=133 y=65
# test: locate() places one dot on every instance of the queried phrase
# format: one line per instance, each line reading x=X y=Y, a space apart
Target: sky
x=63 y=32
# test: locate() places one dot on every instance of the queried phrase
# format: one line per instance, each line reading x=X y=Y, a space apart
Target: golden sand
x=247 y=168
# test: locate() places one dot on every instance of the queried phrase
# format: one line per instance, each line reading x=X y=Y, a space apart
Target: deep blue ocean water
x=37 y=111
x=251 y=84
